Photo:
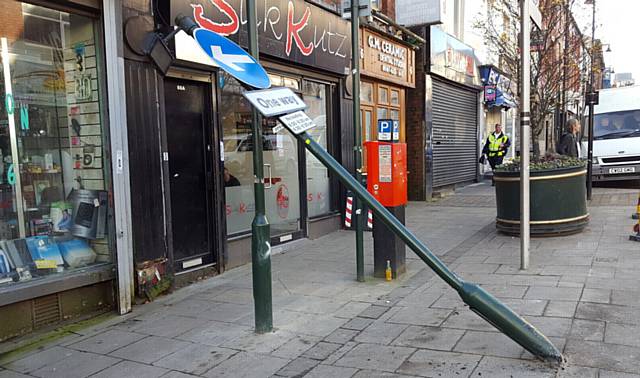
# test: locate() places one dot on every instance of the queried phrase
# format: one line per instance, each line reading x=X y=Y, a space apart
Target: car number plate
x=622 y=170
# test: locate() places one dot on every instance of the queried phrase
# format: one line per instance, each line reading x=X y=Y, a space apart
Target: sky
x=617 y=23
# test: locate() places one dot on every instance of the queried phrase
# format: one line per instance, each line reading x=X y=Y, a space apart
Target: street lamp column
x=525 y=131
x=590 y=100
x=357 y=136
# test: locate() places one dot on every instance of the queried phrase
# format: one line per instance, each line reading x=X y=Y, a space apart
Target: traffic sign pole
x=479 y=300
x=260 y=229
x=525 y=132
x=591 y=103
x=357 y=136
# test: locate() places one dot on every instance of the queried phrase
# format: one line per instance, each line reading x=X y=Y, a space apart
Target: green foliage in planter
x=548 y=161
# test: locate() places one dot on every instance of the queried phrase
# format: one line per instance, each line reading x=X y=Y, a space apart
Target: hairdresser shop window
x=54 y=201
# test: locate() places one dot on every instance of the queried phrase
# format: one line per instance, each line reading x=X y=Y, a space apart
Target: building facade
x=387 y=73
x=63 y=235
x=448 y=115
x=145 y=180
x=194 y=144
x=444 y=115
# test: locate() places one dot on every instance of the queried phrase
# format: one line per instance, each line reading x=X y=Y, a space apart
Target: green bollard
x=261 y=273
x=479 y=300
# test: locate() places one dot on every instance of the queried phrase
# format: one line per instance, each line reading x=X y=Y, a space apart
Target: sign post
x=525 y=131
x=357 y=135
x=592 y=100
x=246 y=68
x=260 y=228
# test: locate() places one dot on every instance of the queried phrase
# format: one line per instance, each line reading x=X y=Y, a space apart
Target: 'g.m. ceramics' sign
x=387 y=59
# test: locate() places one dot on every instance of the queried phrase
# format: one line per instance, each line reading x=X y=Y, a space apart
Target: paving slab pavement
x=581 y=291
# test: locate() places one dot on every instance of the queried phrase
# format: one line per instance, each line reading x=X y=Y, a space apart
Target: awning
x=497 y=87
x=502 y=100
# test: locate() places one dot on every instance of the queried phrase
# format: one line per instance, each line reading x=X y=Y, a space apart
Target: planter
x=558 y=201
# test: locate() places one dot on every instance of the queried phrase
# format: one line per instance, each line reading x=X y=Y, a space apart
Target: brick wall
x=415 y=129
x=11 y=16
x=415 y=139
x=388 y=7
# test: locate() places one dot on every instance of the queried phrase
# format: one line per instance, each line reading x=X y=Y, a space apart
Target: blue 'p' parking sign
x=396 y=131
x=388 y=130
x=385 y=128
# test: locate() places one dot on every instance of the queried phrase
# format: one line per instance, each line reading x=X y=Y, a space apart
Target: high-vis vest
x=494 y=144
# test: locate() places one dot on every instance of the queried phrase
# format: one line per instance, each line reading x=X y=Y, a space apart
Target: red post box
x=387 y=172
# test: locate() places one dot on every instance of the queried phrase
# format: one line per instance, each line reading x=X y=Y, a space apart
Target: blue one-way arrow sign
x=232 y=58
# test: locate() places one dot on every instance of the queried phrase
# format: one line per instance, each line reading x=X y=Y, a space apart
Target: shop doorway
x=189 y=142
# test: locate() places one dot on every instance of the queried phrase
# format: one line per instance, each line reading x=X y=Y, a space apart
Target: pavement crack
x=285 y=286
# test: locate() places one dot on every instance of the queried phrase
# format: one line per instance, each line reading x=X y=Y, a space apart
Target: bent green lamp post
x=479 y=300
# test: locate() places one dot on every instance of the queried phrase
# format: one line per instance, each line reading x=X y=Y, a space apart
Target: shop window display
x=318 y=185
x=54 y=201
x=281 y=160
x=282 y=185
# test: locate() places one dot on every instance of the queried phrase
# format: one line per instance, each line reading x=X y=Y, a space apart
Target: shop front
x=444 y=146
x=57 y=218
x=303 y=47
x=387 y=68
x=296 y=182
x=499 y=104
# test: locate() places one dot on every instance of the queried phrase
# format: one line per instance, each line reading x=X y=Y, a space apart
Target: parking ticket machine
x=387 y=182
x=387 y=172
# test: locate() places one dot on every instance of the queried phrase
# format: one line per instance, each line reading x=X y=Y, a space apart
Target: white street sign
x=297 y=122
x=277 y=128
x=364 y=9
x=534 y=13
x=421 y=12
x=275 y=101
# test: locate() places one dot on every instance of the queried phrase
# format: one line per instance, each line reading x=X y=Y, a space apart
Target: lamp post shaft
x=590 y=98
x=525 y=131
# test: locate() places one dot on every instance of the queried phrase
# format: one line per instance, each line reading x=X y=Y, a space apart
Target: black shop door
x=189 y=141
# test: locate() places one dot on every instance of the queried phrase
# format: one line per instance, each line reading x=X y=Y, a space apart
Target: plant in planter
x=558 y=199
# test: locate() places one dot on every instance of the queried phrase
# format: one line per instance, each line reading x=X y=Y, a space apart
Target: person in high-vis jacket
x=496 y=147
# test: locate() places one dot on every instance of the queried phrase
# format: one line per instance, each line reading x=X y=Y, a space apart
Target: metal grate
x=621 y=159
x=46 y=310
x=455 y=128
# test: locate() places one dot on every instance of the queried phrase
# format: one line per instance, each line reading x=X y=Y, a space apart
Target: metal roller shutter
x=455 y=124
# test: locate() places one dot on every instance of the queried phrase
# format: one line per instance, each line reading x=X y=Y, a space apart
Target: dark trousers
x=495 y=161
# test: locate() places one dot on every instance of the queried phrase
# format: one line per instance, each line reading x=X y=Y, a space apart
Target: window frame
x=103 y=271
x=387 y=106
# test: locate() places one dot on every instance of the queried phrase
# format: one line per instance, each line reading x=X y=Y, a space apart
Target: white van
x=616 y=145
